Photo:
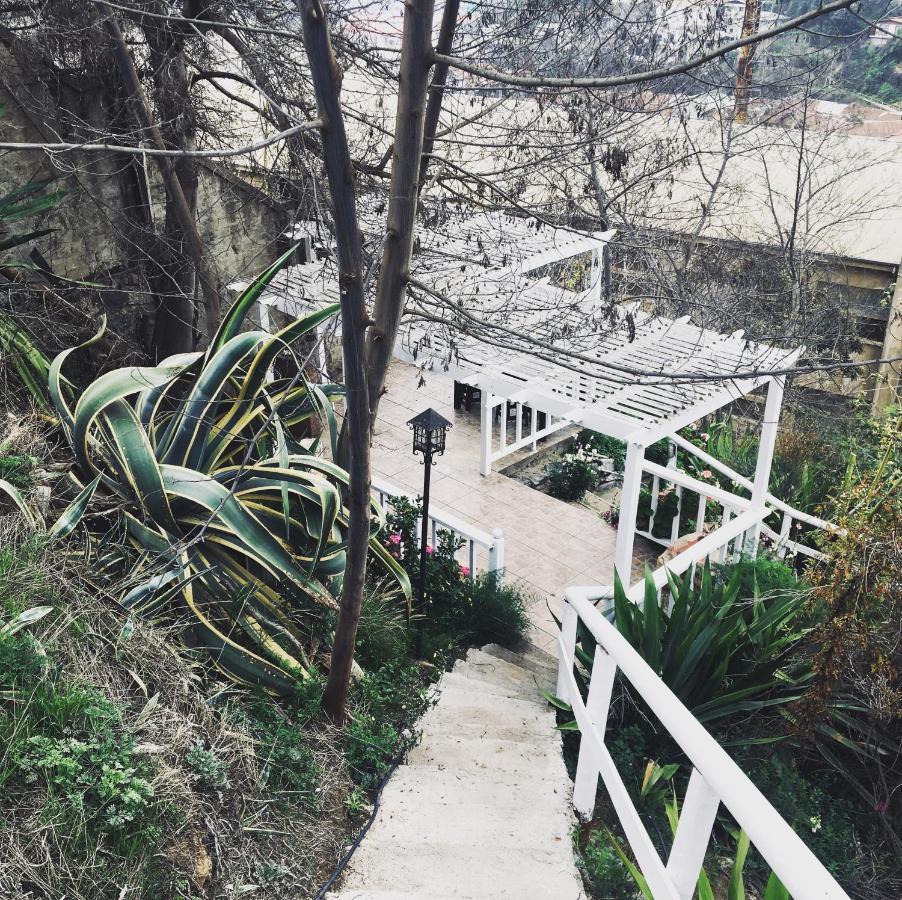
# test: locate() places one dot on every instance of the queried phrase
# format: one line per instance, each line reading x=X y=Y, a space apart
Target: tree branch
x=638 y=77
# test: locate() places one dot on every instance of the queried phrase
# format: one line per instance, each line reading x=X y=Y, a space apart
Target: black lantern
x=429 y=430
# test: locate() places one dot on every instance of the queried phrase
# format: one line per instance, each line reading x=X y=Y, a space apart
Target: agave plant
x=245 y=519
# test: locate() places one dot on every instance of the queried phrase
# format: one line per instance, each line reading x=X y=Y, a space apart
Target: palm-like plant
x=247 y=522
x=719 y=652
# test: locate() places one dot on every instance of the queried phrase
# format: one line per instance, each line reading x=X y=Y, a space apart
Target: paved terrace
x=548 y=543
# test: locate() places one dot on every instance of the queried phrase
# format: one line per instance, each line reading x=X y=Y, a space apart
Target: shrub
x=603 y=446
x=577 y=472
x=21 y=663
x=15 y=468
x=458 y=609
x=370 y=748
x=718 y=654
x=766 y=575
x=608 y=877
x=382 y=633
x=857 y=595
x=497 y=612
x=283 y=734
x=825 y=822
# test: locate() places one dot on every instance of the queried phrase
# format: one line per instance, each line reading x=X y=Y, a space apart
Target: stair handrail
x=715 y=778
x=770 y=499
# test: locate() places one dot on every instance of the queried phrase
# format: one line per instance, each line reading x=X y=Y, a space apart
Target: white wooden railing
x=729 y=504
x=474 y=538
x=715 y=778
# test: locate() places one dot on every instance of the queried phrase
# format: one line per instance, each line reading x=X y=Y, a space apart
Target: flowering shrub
x=576 y=473
x=458 y=608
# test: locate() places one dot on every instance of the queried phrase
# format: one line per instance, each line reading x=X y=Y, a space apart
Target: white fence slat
x=568 y=649
x=588 y=766
x=690 y=844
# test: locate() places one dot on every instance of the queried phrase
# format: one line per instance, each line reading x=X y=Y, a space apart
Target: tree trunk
x=174 y=330
x=745 y=61
x=326 y=79
x=437 y=88
x=394 y=271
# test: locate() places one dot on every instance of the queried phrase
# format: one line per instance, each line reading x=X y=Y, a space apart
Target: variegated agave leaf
x=225 y=492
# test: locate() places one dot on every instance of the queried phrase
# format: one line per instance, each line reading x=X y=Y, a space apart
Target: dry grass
x=218 y=843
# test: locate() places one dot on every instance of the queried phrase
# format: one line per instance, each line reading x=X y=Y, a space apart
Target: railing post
x=486 y=427
x=496 y=551
x=629 y=504
x=693 y=835
x=588 y=766
x=785 y=531
x=567 y=651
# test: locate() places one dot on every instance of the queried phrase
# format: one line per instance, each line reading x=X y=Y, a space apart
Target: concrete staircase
x=481 y=809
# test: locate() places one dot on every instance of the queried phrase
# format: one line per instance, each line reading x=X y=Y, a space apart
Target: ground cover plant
x=129 y=763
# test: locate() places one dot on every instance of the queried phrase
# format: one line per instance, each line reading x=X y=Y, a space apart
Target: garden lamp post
x=429 y=430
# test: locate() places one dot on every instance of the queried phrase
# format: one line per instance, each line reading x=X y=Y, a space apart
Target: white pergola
x=504 y=326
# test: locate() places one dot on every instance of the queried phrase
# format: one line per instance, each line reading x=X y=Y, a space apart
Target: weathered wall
x=94 y=239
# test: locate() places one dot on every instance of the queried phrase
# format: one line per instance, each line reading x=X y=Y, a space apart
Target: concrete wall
x=92 y=238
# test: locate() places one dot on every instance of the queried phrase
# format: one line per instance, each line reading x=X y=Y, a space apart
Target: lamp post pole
x=424 y=543
x=429 y=430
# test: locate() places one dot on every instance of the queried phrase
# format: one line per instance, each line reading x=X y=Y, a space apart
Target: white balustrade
x=441 y=520
x=715 y=779
x=684 y=485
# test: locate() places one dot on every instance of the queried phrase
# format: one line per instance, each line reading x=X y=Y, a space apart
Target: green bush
x=21 y=662
x=577 y=472
x=382 y=633
x=603 y=446
x=608 y=877
x=497 y=612
x=458 y=609
x=15 y=468
x=370 y=746
x=823 y=821
x=283 y=734
x=721 y=655
x=768 y=576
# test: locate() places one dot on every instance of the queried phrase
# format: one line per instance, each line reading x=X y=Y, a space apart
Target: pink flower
x=429 y=550
x=706 y=473
x=395 y=538
x=465 y=571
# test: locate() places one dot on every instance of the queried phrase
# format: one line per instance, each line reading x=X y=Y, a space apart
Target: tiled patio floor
x=549 y=544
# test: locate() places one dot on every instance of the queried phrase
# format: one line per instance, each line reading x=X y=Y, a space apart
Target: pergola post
x=770 y=425
x=629 y=506
x=486 y=426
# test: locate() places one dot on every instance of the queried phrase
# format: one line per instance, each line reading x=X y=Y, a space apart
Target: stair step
x=479 y=681
x=533 y=658
x=439 y=784
x=484 y=757
x=462 y=696
x=475 y=872
x=366 y=894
